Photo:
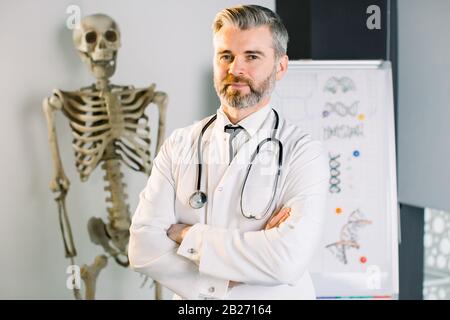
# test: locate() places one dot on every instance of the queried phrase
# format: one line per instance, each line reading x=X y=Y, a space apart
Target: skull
x=97 y=39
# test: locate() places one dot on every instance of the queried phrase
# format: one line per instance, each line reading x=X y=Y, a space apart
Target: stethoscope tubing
x=202 y=196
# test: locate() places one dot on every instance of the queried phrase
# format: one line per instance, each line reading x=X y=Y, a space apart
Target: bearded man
x=235 y=204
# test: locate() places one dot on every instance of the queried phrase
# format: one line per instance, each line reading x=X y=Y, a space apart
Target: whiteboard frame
x=338 y=64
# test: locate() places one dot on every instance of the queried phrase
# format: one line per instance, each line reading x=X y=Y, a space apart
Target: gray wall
x=166 y=42
x=424 y=103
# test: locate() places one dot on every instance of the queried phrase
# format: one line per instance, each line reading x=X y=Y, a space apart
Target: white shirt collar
x=252 y=123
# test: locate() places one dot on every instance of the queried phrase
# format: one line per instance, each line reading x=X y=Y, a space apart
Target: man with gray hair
x=235 y=203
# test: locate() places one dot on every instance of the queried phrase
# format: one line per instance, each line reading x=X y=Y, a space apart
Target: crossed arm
x=177 y=231
x=276 y=255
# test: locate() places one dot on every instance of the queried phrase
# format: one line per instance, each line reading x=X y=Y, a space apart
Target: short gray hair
x=250 y=16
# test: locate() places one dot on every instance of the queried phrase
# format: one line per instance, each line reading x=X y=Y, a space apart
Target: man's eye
x=226 y=57
x=252 y=57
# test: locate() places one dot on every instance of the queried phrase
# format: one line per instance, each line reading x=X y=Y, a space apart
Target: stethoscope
x=198 y=199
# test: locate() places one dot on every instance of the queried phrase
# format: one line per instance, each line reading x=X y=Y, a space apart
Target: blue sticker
x=356 y=153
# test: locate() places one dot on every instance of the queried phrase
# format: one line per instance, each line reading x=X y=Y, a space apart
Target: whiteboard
x=348 y=105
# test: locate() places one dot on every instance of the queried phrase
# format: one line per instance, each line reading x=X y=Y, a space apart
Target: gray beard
x=238 y=101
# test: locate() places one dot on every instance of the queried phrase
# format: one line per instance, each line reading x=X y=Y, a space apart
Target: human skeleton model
x=109 y=126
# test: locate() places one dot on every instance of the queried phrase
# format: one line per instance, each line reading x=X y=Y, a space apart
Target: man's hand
x=177 y=231
x=278 y=218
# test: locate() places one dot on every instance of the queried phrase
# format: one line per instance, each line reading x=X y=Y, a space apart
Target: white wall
x=423 y=96
x=166 y=42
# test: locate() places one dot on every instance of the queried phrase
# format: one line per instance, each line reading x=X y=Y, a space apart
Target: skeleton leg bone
x=90 y=273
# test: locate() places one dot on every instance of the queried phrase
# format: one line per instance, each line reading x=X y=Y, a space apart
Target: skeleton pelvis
x=114 y=241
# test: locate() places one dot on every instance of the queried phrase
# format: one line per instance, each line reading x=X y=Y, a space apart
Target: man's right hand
x=278 y=218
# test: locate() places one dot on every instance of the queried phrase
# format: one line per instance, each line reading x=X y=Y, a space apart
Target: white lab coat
x=222 y=245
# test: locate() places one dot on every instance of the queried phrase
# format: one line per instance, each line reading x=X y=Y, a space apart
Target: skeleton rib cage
x=102 y=118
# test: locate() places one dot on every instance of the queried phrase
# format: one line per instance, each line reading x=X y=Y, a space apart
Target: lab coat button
x=220 y=188
x=191 y=250
x=211 y=289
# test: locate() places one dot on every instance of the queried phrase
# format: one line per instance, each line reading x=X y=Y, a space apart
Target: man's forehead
x=233 y=39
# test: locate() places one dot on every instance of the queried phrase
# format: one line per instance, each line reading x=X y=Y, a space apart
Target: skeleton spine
x=119 y=211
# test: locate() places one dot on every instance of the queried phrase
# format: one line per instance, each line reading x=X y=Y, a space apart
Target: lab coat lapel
x=239 y=164
x=217 y=155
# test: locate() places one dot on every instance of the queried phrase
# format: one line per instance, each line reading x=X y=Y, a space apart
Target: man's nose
x=237 y=67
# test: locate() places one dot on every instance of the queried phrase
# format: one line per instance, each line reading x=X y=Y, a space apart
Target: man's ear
x=282 y=66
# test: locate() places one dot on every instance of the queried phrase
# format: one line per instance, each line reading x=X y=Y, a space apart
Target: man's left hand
x=177 y=231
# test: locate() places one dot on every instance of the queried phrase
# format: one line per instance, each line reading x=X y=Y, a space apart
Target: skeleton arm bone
x=161 y=100
x=59 y=182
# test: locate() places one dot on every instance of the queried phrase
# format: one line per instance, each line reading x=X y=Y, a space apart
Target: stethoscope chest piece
x=197 y=199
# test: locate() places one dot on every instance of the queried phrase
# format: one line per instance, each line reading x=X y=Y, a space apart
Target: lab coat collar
x=252 y=123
